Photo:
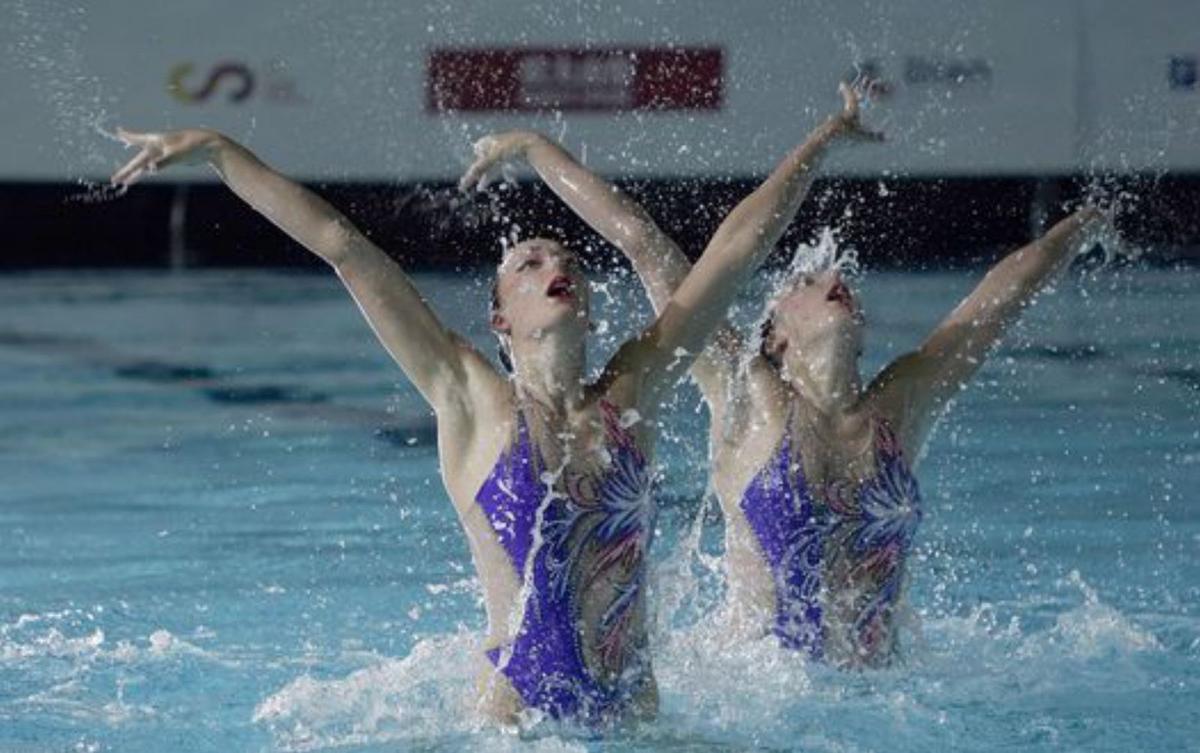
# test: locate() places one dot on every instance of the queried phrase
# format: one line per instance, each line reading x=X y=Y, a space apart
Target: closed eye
x=529 y=264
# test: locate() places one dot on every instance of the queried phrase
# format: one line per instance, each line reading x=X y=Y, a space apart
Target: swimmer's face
x=814 y=309
x=540 y=287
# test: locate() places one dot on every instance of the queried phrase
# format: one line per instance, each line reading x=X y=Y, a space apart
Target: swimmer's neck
x=828 y=378
x=548 y=368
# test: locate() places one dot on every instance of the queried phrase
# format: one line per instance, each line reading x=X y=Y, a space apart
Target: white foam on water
x=70 y=669
x=984 y=647
x=1093 y=629
x=425 y=695
x=73 y=635
x=49 y=46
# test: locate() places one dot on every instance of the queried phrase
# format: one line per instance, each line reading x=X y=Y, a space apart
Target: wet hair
x=501 y=346
x=765 y=331
x=533 y=232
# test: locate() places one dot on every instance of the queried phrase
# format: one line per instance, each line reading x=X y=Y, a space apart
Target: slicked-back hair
x=765 y=332
x=501 y=346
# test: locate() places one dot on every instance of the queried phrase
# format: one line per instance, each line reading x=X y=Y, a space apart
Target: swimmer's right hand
x=493 y=151
x=158 y=150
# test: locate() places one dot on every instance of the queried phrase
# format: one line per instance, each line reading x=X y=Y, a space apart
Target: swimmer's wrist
x=215 y=146
x=830 y=131
x=529 y=140
x=214 y=142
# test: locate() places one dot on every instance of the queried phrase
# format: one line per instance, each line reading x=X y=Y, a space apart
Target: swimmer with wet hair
x=813 y=468
x=550 y=475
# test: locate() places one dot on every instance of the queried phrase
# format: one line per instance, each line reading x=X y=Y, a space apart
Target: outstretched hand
x=847 y=122
x=493 y=151
x=158 y=150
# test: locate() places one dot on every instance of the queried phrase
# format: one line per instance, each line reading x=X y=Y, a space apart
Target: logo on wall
x=948 y=72
x=1183 y=72
x=234 y=82
x=561 y=78
x=918 y=70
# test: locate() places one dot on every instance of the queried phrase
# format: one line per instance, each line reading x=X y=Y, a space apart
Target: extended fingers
x=134 y=168
x=487 y=153
x=133 y=138
x=472 y=177
x=485 y=146
x=850 y=96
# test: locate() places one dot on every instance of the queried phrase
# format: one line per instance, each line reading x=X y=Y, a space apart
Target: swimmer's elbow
x=335 y=242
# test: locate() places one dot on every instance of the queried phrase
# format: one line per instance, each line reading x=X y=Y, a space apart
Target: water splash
x=49 y=44
x=420 y=696
x=824 y=255
x=1095 y=629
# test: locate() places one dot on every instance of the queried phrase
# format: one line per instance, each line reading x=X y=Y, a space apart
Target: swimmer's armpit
x=925 y=380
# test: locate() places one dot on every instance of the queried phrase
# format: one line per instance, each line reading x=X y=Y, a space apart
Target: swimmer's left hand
x=493 y=151
x=847 y=123
x=158 y=150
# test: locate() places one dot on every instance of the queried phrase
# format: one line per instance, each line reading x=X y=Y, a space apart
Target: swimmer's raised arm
x=437 y=360
x=917 y=385
x=608 y=210
x=746 y=236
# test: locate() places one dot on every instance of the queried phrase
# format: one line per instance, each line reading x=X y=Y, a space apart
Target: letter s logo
x=224 y=70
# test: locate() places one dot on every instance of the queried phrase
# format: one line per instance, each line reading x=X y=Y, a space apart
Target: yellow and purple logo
x=233 y=81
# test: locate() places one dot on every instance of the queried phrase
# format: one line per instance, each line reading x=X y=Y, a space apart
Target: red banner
x=562 y=78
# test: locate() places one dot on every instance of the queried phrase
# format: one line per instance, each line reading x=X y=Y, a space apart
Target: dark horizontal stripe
x=285 y=401
x=155 y=371
x=894 y=222
x=1187 y=376
x=1071 y=352
x=263 y=394
x=408 y=436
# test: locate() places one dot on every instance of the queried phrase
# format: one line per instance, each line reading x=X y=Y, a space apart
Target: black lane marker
x=268 y=393
x=290 y=402
x=1188 y=376
x=408 y=436
x=163 y=373
x=1071 y=352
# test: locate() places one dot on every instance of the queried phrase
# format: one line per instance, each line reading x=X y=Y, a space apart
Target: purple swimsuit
x=797 y=534
x=584 y=531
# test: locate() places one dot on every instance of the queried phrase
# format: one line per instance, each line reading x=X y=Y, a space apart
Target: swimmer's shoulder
x=897 y=398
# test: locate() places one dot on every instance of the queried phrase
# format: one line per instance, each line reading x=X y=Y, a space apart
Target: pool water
x=221 y=528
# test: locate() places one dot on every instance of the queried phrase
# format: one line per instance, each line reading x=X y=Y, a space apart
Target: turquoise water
x=221 y=529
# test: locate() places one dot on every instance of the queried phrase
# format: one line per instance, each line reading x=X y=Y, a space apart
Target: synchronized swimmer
x=551 y=474
x=813 y=470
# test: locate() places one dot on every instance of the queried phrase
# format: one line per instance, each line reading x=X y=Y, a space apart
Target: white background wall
x=1074 y=85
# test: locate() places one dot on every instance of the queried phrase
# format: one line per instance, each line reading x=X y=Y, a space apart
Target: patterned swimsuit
x=799 y=533
x=563 y=538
